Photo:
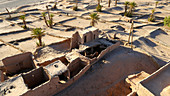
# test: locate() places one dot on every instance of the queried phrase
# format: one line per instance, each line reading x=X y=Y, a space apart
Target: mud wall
x=142 y=91
x=62 y=59
x=95 y=34
x=81 y=72
x=158 y=81
x=35 y=78
x=87 y=37
x=46 y=89
x=18 y=63
x=75 y=41
x=75 y=66
x=53 y=86
x=108 y=49
x=61 y=46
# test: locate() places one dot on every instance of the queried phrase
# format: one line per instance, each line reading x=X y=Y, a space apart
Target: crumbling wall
x=82 y=71
x=103 y=53
x=62 y=59
x=61 y=46
x=46 y=89
x=158 y=81
x=86 y=37
x=35 y=78
x=75 y=40
x=114 y=46
x=95 y=33
x=75 y=67
x=18 y=63
x=108 y=49
x=142 y=91
x=53 y=86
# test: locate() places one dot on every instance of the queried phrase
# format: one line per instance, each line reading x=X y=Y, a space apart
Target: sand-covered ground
x=103 y=78
x=12 y=4
x=151 y=38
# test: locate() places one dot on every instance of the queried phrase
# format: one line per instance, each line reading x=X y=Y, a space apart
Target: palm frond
x=22 y=17
x=37 y=32
x=127 y=3
x=43 y=14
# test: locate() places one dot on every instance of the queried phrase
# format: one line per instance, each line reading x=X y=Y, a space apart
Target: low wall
x=142 y=91
x=75 y=40
x=53 y=86
x=18 y=63
x=61 y=46
x=35 y=78
x=62 y=59
x=104 y=52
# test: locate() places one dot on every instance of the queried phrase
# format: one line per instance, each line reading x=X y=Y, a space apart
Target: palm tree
x=50 y=22
x=156 y=3
x=22 y=17
x=55 y=5
x=48 y=12
x=167 y=21
x=132 y=6
x=152 y=18
x=44 y=16
x=94 y=17
x=38 y=33
x=126 y=7
x=99 y=7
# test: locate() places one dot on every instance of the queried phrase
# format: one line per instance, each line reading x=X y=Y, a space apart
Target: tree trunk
x=98 y=2
x=92 y=22
x=132 y=36
x=109 y=3
x=76 y=3
x=129 y=36
x=130 y=33
x=24 y=23
x=115 y=2
x=46 y=21
x=55 y=7
x=51 y=23
x=125 y=8
x=130 y=11
x=8 y=13
x=48 y=12
x=39 y=39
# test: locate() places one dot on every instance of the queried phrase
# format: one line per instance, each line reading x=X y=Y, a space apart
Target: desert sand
x=151 y=40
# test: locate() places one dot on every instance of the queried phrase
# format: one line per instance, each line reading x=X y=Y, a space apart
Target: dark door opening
x=85 y=39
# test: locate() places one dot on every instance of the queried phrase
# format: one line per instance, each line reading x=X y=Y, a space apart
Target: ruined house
x=17 y=64
x=156 y=84
x=58 y=73
x=84 y=36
